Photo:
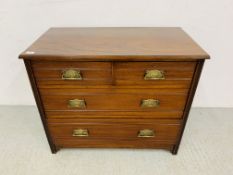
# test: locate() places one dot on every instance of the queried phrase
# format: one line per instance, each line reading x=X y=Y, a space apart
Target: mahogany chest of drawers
x=114 y=87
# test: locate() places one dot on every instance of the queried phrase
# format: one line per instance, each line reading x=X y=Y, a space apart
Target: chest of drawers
x=114 y=87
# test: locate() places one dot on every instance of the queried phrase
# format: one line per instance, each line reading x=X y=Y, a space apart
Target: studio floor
x=206 y=149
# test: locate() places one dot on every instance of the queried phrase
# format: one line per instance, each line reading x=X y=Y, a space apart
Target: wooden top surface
x=120 y=43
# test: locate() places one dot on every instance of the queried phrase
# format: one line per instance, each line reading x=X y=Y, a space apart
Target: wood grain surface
x=177 y=74
x=122 y=133
x=113 y=103
x=113 y=100
x=106 y=43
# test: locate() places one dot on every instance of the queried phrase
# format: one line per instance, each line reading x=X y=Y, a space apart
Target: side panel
x=188 y=105
x=39 y=103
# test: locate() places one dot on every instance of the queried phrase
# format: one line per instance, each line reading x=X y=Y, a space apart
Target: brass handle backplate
x=80 y=133
x=154 y=75
x=150 y=103
x=71 y=74
x=77 y=103
x=146 y=133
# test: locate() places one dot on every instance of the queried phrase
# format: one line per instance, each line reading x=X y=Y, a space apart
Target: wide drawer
x=157 y=74
x=72 y=73
x=166 y=114
x=157 y=130
x=113 y=143
x=113 y=99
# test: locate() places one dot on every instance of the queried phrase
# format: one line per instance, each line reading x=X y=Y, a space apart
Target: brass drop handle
x=80 y=133
x=154 y=75
x=146 y=133
x=71 y=74
x=150 y=103
x=77 y=103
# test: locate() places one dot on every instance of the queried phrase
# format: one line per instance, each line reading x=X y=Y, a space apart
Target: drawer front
x=113 y=99
x=158 y=74
x=100 y=129
x=173 y=114
x=72 y=73
x=112 y=143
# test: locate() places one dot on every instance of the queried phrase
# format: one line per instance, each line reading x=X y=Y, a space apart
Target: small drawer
x=107 y=129
x=127 y=100
x=72 y=73
x=156 y=74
